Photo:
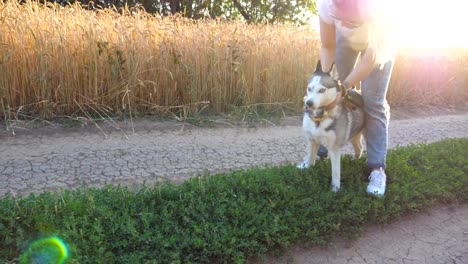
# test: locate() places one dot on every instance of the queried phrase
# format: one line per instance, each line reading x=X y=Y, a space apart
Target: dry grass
x=430 y=77
x=68 y=61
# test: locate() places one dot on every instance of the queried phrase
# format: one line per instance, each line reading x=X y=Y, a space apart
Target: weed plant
x=228 y=218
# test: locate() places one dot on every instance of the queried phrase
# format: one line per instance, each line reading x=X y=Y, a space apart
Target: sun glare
x=430 y=23
x=426 y=24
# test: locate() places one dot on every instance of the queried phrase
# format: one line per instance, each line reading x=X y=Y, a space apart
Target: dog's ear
x=333 y=72
x=318 y=68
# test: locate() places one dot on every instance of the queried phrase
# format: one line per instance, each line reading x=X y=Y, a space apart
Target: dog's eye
x=322 y=90
x=309 y=89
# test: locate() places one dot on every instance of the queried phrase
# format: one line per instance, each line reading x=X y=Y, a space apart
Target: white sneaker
x=377 y=182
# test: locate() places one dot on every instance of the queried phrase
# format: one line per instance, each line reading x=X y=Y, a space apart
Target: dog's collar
x=317 y=121
x=335 y=102
x=328 y=108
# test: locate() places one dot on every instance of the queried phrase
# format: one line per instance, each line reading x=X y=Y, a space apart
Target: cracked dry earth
x=439 y=236
x=52 y=158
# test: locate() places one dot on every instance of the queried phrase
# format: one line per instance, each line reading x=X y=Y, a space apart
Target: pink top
x=358 y=36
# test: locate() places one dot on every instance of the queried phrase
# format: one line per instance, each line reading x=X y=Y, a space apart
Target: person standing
x=354 y=38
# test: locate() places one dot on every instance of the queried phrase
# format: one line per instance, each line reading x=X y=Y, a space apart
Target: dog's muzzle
x=316 y=114
x=319 y=113
x=309 y=103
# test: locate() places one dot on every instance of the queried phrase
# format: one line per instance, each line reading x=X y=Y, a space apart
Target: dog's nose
x=309 y=103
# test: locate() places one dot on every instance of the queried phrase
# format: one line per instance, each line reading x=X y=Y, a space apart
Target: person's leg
x=374 y=92
x=345 y=60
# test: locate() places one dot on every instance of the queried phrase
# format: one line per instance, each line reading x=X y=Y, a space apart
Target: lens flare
x=429 y=23
x=51 y=250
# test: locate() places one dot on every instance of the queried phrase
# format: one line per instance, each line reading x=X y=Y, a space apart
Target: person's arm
x=363 y=68
x=328 y=45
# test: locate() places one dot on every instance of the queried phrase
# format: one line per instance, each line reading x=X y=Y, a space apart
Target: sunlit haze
x=428 y=23
x=431 y=23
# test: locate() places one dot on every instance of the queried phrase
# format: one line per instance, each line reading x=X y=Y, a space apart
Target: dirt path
x=54 y=158
x=439 y=236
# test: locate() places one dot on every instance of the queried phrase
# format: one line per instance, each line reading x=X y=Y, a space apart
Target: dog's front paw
x=335 y=189
x=303 y=165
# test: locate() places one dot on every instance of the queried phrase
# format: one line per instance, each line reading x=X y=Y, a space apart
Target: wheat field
x=57 y=62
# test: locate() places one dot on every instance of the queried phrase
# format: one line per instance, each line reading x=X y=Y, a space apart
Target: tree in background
x=252 y=11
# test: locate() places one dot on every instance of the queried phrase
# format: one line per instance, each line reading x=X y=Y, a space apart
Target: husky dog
x=332 y=118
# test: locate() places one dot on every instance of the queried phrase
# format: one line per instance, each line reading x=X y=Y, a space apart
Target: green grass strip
x=230 y=217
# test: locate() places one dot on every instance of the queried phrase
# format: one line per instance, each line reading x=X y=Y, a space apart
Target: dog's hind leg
x=335 y=157
x=309 y=160
x=356 y=141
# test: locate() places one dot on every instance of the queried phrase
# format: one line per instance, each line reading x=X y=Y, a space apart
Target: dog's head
x=322 y=91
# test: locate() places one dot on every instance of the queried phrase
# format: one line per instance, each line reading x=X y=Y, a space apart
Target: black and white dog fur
x=330 y=121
